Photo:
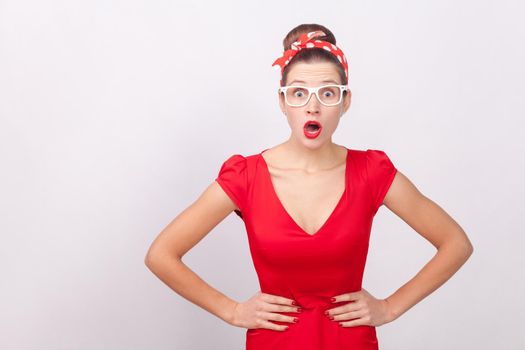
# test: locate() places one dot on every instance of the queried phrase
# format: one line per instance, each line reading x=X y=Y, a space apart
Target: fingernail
x=294 y=302
x=333 y=299
x=295 y=319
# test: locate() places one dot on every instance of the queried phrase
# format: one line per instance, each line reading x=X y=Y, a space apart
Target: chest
x=308 y=199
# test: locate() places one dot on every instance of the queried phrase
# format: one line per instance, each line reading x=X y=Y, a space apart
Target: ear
x=282 y=104
x=347 y=100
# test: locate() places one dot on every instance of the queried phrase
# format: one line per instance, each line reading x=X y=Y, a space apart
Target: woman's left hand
x=363 y=309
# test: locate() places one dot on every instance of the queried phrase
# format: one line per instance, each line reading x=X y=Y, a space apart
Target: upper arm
x=193 y=223
x=422 y=214
x=220 y=198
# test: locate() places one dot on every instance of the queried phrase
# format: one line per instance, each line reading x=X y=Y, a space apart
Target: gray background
x=115 y=115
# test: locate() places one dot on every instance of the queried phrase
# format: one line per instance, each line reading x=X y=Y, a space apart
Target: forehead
x=313 y=73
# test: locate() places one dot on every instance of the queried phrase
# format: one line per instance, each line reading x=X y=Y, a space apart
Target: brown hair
x=313 y=54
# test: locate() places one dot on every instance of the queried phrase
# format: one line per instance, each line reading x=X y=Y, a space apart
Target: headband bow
x=306 y=41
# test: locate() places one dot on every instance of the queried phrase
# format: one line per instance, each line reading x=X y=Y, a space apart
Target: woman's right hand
x=262 y=307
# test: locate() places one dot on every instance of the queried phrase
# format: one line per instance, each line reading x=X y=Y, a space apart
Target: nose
x=313 y=104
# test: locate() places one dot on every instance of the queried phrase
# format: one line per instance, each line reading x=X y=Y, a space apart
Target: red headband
x=306 y=41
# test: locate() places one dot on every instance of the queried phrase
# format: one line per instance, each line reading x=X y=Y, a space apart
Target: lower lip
x=312 y=135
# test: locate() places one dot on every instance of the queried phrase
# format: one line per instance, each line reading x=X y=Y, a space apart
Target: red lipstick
x=312 y=129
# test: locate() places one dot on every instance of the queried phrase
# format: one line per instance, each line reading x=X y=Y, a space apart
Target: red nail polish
x=294 y=302
x=333 y=299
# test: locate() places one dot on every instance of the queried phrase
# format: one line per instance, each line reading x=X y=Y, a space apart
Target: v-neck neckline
x=285 y=211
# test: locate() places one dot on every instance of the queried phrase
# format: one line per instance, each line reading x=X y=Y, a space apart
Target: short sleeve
x=232 y=178
x=380 y=172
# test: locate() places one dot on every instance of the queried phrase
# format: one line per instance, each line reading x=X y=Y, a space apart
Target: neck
x=311 y=159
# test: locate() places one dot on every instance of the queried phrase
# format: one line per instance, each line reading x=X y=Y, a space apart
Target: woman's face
x=314 y=75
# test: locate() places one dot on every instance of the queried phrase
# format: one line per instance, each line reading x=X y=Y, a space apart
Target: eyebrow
x=324 y=81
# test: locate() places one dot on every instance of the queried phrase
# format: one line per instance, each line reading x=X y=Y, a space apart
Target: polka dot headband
x=306 y=41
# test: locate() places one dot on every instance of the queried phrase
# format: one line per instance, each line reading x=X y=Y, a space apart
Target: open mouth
x=312 y=128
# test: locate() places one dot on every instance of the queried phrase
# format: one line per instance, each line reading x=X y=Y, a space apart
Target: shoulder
x=233 y=169
x=368 y=156
x=236 y=163
x=371 y=163
x=233 y=179
x=378 y=158
x=235 y=160
x=240 y=167
x=374 y=154
x=366 y=153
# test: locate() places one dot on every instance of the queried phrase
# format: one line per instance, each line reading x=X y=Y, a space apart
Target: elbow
x=152 y=256
x=155 y=258
x=467 y=246
x=470 y=249
x=462 y=243
x=148 y=260
x=462 y=248
x=467 y=249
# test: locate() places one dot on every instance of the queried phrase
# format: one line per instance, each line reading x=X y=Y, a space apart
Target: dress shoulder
x=380 y=174
x=233 y=179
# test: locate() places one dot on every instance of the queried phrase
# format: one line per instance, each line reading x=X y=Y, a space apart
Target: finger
x=346 y=297
x=277 y=299
x=347 y=316
x=348 y=307
x=281 y=308
x=276 y=317
x=353 y=323
x=270 y=325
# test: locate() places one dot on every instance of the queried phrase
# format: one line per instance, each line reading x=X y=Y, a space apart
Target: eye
x=299 y=92
x=330 y=91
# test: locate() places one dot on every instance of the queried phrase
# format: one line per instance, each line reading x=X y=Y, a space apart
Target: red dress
x=309 y=269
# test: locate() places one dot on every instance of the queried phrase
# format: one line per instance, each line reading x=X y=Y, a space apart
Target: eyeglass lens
x=329 y=95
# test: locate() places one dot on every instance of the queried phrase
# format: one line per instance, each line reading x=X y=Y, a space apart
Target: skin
x=293 y=164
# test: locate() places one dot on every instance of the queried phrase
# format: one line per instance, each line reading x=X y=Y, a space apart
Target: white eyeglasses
x=328 y=95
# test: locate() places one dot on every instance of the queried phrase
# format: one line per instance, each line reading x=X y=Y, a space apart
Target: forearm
x=448 y=259
x=181 y=279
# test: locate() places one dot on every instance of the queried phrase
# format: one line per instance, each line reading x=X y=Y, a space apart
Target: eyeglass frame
x=314 y=90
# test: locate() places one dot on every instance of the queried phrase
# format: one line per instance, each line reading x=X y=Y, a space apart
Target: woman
x=308 y=206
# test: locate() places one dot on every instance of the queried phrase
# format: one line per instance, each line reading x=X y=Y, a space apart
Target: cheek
x=292 y=116
x=290 y=119
x=330 y=124
x=334 y=120
x=295 y=121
